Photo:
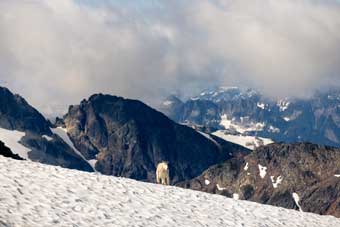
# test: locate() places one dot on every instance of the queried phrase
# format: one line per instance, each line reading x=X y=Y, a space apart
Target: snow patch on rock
x=296 y=198
x=261 y=105
x=246 y=167
x=277 y=181
x=48 y=138
x=263 y=171
x=250 y=142
x=167 y=103
x=286 y=119
x=283 y=105
x=241 y=127
x=273 y=129
x=220 y=188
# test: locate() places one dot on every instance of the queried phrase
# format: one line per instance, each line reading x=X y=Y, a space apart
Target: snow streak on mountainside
x=62 y=133
x=33 y=194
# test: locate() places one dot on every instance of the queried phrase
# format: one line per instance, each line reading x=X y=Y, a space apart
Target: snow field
x=33 y=194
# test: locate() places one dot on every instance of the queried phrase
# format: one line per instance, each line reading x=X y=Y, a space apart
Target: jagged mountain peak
x=17 y=114
x=119 y=109
x=128 y=138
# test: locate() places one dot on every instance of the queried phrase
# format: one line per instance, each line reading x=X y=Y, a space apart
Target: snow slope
x=32 y=194
x=11 y=139
x=250 y=142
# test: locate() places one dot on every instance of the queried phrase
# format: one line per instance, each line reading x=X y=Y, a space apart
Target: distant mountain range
x=235 y=113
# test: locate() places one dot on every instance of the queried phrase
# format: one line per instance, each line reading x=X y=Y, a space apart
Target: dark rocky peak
x=30 y=136
x=118 y=109
x=59 y=122
x=17 y=114
x=128 y=138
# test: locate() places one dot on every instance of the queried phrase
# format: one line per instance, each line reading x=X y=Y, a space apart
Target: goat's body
x=162 y=174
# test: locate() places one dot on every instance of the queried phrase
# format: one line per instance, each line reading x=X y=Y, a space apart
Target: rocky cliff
x=297 y=176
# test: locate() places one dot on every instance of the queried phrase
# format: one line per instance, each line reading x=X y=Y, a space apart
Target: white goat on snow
x=162 y=173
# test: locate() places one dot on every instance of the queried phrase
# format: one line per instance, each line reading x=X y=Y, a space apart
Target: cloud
x=56 y=53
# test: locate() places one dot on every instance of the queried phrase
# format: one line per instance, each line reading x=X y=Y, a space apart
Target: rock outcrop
x=296 y=176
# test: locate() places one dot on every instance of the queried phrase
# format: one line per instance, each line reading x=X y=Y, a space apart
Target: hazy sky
x=57 y=52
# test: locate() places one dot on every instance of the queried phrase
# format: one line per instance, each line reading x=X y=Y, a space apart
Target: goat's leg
x=158 y=180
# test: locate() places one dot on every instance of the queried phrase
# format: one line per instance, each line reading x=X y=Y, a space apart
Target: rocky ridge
x=299 y=176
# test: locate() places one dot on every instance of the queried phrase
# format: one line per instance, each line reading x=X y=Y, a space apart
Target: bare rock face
x=273 y=174
x=129 y=139
x=17 y=114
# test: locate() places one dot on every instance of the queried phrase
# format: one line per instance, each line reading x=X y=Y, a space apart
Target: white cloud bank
x=56 y=53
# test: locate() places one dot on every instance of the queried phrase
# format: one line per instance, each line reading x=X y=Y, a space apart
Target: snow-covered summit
x=33 y=194
x=225 y=93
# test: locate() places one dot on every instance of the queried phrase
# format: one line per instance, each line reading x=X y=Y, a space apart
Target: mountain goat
x=162 y=173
